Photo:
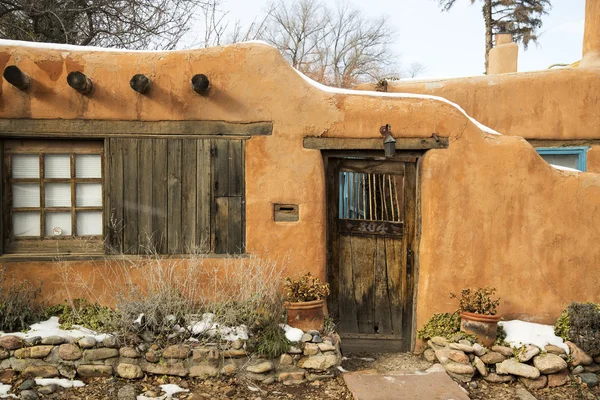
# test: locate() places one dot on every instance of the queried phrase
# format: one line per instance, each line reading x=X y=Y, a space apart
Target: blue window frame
x=574 y=157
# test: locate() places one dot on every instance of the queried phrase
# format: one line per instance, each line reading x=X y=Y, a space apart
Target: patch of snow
x=560 y=167
x=138 y=320
x=292 y=334
x=520 y=333
x=435 y=368
x=341 y=369
x=65 y=383
x=171 y=389
x=207 y=326
x=334 y=90
x=50 y=327
x=4 y=392
x=253 y=389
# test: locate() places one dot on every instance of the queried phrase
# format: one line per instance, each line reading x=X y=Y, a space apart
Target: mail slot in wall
x=285 y=212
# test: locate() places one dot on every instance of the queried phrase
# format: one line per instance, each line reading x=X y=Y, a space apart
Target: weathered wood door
x=371 y=230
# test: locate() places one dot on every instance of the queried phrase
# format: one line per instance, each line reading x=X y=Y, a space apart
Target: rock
x=310 y=349
x=110 y=342
x=462 y=347
x=552 y=349
x=229 y=369
x=4 y=353
x=69 y=352
x=33 y=352
x=445 y=355
x=313 y=332
x=578 y=356
x=203 y=371
x=32 y=341
x=466 y=378
x=129 y=352
x=291 y=377
x=317 y=339
x=523 y=394
x=492 y=357
x=495 y=378
x=435 y=368
x=232 y=353
x=593 y=368
x=549 y=363
x=578 y=370
x=558 y=379
x=325 y=346
x=100 y=354
x=479 y=350
x=460 y=369
x=152 y=356
x=514 y=367
x=505 y=351
x=597 y=359
x=7 y=375
x=480 y=366
x=261 y=367
x=319 y=377
x=307 y=337
x=205 y=353
x=127 y=392
x=473 y=385
x=40 y=371
x=29 y=395
x=10 y=342
x=129 y=371
x=67 y=371
x=27 y=384
x=429 y=355
x=179 y=351
x=237 y=344
x=294 y=350
x=53 y=340
x=527 y=353
x=169 y=368
x=48 y=389
x=87 y=342
x=439 y=341
x=591 y=380
x=535 y=384
x=89 y=371
x=320 y=362
x=286 y=360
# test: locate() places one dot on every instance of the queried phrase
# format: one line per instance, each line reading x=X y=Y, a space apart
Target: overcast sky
x=452 y=43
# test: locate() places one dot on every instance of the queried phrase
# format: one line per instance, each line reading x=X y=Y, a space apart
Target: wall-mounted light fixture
x=200 y=84
x=389 y=143
x=78 y=81
x=16 y=77
x=140 y=83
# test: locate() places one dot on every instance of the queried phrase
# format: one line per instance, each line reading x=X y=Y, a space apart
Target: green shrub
x=18 y=307
x=445 y=325
x=83 y=313
x=478 y=301
x=584 y=329
x=562 y=326
x=270 y=341
x=501 y=337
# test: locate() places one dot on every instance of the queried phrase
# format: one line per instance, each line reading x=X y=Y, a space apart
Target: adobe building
x=254 y=158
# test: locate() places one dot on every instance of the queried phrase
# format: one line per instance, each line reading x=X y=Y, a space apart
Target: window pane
x=57 y=166
x=563 y=160
x=89 y=223
x=25 y=195
x=88 y=166
x=25 y=166
x=89 y=194
x=58 y=224
x=26 y=224
x=58 y=194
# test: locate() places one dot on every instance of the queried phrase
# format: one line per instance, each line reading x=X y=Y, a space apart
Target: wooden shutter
x=176 y=196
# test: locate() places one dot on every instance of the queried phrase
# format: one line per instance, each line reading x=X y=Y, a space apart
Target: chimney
x=504 y=55
x=591 y=35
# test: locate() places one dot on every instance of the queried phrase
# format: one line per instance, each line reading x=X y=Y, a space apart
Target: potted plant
x=305 y=298
x=478 y=314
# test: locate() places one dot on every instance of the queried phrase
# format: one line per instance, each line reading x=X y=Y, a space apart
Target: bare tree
x=133 y=24
x=414 y=69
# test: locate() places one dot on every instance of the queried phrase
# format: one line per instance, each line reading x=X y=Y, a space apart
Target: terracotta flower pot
x=484 y=327
x=306 y=315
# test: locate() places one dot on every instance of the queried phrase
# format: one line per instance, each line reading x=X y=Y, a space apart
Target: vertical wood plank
x=159 y=195
x=234 y=234
x=236 y=168
x=115 y=215
x=347 y=303
x=332 y=190
x=395 y=264
x=383 y=309
x=144 y=206
x=221 y=167
x=203 y=196
x=221 y=225
x=130 y=193
x=174 y=234
x=410 y=212
x=188 y=193
x=363 y=268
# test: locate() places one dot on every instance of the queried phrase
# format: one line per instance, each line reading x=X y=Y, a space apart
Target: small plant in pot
x=478 y=314
x=305 y=298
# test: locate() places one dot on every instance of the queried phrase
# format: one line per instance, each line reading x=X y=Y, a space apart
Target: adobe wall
x=493 y=212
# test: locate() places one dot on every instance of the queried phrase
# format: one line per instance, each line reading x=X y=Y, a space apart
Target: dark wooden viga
x=16 y=77
x=140 y=83
x=200 y=84
x=80 y=82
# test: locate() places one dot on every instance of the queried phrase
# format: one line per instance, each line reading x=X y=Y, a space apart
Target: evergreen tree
x=521 y=18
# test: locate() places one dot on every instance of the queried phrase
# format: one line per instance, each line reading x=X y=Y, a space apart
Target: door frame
x=373 y=342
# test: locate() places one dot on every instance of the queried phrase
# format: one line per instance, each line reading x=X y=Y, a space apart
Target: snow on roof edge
x=560 y=167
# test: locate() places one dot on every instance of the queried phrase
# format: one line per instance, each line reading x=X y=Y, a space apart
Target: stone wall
x=314 y=358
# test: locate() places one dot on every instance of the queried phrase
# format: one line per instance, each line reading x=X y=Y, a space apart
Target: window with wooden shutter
x=175 y=196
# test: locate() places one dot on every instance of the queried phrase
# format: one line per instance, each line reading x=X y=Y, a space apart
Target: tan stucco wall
x=493 y=212
x=593 y=159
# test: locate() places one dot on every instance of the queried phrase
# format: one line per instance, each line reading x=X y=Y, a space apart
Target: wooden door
x=371 y=226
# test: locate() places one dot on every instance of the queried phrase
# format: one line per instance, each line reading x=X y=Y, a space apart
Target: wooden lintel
x=402 y=143
x=103 y=128
x=563 y=142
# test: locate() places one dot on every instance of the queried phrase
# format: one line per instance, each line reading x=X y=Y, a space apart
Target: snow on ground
x=50 y=327
x=65 y=383
x=169 y=390
x=207 y=326
x=519 y=333
x=4 y=392
x=292 y=334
